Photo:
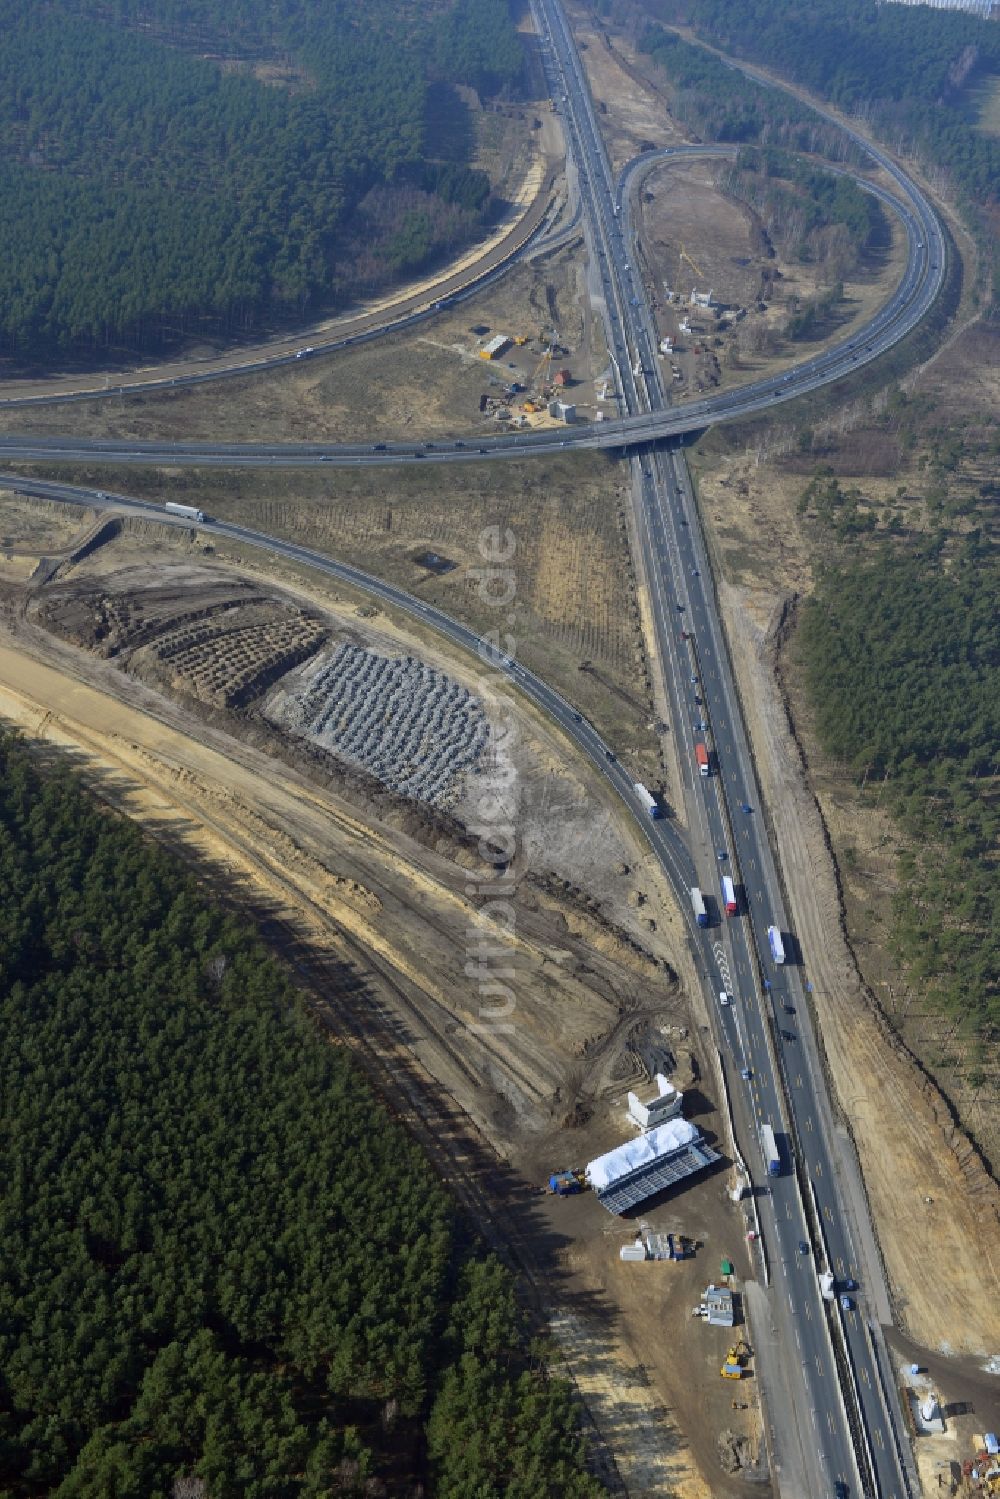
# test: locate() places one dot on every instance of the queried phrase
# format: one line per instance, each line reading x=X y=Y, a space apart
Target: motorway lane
x=673 y=552
x=918 y=288
x=674 y=602
x=632 y=333
x=410 y=312
x=662 y=834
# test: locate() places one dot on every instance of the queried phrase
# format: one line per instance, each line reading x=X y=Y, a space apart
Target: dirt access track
x=530 y=201
x=377 y=917
x=358 y=911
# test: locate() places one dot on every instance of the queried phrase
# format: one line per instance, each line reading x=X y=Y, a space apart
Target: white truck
x=189 y=512
x=648 y=801
x=776 y=945
x=769 y=1150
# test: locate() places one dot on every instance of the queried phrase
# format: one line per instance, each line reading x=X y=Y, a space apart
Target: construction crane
x=541 y=376
x=685 y=256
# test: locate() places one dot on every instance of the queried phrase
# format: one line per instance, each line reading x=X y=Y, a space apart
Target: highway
x=664 y=837
x=918 y=287
x=829 y=1421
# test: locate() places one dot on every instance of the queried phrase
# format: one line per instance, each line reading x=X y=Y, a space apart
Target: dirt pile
x=932 y=1200
x=735 y=1451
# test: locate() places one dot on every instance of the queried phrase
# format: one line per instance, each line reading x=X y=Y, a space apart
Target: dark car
x=803 y=1247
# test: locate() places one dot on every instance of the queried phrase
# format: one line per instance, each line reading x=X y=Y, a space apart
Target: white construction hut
x=666 y=345
x=646 y=1165
x=495 y=347
x=719 y=1303
x=701 y=298
x=562 y=411
x=666 y=1105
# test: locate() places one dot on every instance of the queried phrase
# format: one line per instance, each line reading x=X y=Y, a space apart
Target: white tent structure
x=646 y=1165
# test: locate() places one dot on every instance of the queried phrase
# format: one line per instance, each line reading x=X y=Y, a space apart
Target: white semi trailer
x=189 y=512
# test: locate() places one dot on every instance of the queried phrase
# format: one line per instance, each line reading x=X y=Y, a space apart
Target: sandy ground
x=933 y=1203
x=574 y=614
x=427 y=382
x=909 y=1147
x=933 y=1206
x=680 y=206
x=633 y=114
x=368 y=905
x=526 y=182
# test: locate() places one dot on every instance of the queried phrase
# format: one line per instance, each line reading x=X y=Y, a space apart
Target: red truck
x=729 y=895
x=701 y=755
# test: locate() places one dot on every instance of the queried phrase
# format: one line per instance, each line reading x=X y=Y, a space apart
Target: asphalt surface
x=829 y=1422
x=918 y=287
x=408 y=312
x=825 y=1428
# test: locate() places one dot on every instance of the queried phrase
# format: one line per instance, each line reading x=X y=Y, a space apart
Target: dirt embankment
x=936 y=1209
x=381 y=915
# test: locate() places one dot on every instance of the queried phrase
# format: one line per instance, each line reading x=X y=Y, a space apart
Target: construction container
x=495 y=347
x=633 y=1253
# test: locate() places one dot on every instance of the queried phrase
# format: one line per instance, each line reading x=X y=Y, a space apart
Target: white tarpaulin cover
x=642 y=1151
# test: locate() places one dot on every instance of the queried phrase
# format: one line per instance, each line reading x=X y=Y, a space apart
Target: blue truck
x=769 y=1150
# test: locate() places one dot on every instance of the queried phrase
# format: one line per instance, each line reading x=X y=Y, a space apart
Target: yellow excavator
x=736 y=1359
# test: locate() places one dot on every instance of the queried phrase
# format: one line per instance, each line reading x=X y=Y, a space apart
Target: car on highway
x=722 y=855
x=694 y=679
x=745 y=807
x=746 y=1073
x=378 y=447
x=846 y=1304
x=803 y=1247
x=840 y=1490
x=578 y=718
x=724 y=997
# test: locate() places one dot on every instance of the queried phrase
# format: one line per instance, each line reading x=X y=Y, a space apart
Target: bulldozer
x=567 y=1183
x=736 y=1358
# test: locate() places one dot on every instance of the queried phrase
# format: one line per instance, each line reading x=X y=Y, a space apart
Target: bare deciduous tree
x=188 y=1486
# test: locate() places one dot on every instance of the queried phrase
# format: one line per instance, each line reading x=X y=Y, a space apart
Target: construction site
x=217 y=705
x=335 y=763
